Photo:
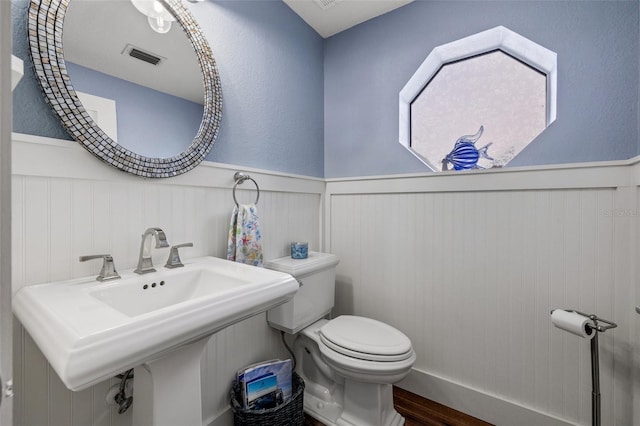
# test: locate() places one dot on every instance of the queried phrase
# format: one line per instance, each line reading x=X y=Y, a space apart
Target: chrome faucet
x=108 y=271
x=174 y=257
x=145 y=264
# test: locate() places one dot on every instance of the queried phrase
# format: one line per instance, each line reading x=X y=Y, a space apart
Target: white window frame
x=498 y=38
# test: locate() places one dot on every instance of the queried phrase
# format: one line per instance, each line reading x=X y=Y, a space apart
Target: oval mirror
x=155 y=139
x=142 y=87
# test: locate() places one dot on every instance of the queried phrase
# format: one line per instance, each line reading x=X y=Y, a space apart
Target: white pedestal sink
x=158 y=323
x=167 y=390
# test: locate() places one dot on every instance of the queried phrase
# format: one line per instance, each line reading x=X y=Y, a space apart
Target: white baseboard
x=470 y=401
x=489 y=408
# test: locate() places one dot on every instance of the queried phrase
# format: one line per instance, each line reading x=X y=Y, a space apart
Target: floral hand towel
x=244 y=236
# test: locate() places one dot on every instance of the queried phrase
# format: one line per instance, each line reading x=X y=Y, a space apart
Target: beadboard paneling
x=636 y=321
x=470 y=275
x=81 y=210
x=468 y=265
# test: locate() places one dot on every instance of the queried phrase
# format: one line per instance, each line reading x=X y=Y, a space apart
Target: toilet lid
x=365 y=338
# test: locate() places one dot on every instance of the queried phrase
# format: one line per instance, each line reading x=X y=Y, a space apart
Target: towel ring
x=240 y=178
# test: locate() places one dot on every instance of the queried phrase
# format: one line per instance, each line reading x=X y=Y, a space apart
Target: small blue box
x=299 y=250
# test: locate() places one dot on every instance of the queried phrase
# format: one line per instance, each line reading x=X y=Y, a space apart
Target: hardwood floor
x=419 y=411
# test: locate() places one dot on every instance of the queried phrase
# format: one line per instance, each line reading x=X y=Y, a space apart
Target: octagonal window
x=479 y=101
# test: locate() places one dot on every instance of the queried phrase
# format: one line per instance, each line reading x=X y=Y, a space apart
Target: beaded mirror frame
x=46 y=18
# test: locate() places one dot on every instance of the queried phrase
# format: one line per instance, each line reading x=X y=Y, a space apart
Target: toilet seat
x=365 y=339
x=389 y=365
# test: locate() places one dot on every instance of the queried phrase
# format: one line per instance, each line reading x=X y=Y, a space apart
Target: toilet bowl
x=348 y=363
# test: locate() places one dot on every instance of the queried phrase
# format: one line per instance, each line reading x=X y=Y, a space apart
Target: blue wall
x=597 y=43
x=31 y=114
x=295 y=103
x=270 y=65
x=150 y=123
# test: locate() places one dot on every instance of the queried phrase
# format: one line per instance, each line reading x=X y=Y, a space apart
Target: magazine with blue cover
x=266 y=385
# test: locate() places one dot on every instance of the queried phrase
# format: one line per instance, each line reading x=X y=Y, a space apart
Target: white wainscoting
x=66 y=203
x=469 y=266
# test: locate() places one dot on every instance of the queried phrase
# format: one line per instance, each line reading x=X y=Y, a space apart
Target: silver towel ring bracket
x=240 y=177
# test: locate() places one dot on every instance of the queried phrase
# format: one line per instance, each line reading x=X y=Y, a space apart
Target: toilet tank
x=314 y=299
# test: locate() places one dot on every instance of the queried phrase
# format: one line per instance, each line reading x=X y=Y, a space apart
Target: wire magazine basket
x=289 y=414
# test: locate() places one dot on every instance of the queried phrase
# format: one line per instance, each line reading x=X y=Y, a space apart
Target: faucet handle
x=108 y=271
x=174 y=257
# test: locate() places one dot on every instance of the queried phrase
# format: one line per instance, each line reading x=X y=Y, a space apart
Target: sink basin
x=140 y=295
x=90 y=331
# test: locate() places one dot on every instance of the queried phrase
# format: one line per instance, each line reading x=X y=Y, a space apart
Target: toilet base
x=363 y=404
x=336 y=399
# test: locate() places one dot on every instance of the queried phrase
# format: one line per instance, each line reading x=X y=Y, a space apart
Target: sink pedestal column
x=167 y=391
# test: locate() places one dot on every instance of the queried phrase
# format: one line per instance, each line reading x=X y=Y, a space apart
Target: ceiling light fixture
x=157 y=15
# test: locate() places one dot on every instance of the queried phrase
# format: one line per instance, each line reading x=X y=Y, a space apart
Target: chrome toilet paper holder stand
x=597 y=327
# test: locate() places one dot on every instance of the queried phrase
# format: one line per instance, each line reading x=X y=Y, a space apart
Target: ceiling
x=98 y=35
x=329 y=17
x=117 y=25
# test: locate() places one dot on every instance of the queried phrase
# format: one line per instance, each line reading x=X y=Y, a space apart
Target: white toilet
x=348 y=363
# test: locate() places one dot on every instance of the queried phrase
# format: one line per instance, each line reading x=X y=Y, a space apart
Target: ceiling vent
x=326 y=4
x=142 y=55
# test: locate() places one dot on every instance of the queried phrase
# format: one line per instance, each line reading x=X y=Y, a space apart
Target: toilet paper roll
x=573 y=323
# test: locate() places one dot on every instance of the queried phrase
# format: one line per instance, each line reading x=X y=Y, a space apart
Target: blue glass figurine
x=465 y=155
